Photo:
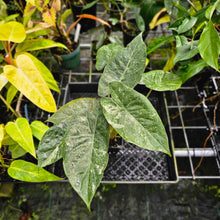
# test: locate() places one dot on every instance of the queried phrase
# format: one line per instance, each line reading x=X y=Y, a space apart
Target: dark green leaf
x=26 y=171
x=134 y=118
x=81 y=136
x=209 y=45
x=187 y=51
x=89 y=5
x=64 y=114
x=186 y=25
x=126 y=67
x=105 y=54
x=51 y=145
x=168 y=4
x=160 y=80
x=191 y=70
x=156 y=43
x=85 y=155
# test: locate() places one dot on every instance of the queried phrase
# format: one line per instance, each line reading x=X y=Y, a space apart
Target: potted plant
x=22 y=77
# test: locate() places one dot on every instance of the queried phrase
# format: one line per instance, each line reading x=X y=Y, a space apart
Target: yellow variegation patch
x=49 y=16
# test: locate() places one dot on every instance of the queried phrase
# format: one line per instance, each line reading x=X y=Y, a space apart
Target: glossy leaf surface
x=209 y=45
x=45 y=73
x=82 y=137
x=37 y=44
x=26 y=171
x=38 y=129
x=12 y=31
x=28 y=80
x=51 y=145
x=86 y=152
x=65 y=112
x=20 y=132
x=132 y=115
x=105 y=53
x=126 y=67
x=160 y=80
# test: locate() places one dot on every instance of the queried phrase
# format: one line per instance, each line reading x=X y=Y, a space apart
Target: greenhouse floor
x=185 y=200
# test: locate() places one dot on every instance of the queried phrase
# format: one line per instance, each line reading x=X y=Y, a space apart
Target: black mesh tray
x=129 y=163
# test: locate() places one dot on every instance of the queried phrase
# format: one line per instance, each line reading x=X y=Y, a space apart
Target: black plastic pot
x=86 y=24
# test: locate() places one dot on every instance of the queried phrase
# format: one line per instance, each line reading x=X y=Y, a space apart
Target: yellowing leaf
x=28 y=11
x=20 y=132
x=169 y=64
x=28 y=80
x=3 y=81
x=157 y=20
x=12 y=31
x=49 y=16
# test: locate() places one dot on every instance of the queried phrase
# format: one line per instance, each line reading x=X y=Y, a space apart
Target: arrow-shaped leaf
x=209 y=45
x=83 y=140
x=12 y=31
x=28 y=80
x=126 y=67
x=20 y=132
x=132 y=115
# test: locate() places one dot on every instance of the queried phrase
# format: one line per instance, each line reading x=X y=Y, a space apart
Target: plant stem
x=12 y=110
x=149 y=93
x=192 y=5
x=18 y=105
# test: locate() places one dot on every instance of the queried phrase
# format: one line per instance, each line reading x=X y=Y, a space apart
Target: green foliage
x=160 y=80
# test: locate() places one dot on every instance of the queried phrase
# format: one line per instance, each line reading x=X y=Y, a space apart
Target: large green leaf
x=38 y=129
x=82 y=139
x=28 y=80
x=191 y=70
x=45 y=72
x=65 y=112
x=51 y=145
x=132 y=115
x=20 y=132
x=187 y=51
x=86 y=153
x=26 y=171
x=37 y=44
x=209 y=45
x=160 y=80
x=12 y=31
x=126 y=67
x=105 y=54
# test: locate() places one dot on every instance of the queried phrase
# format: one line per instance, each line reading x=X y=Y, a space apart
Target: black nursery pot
x=86 y=24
